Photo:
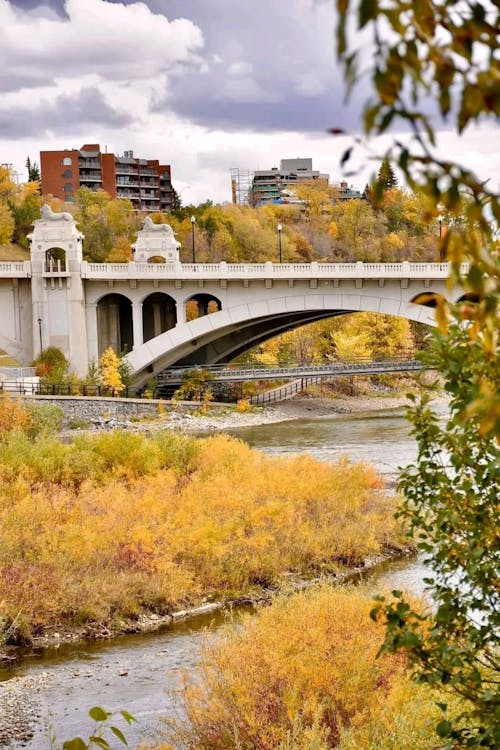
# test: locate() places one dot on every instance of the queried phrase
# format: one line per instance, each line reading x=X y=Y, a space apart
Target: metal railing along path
x=228 y=373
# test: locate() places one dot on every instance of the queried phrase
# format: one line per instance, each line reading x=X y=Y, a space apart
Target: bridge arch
x=114 y=323
x=201 y=304
x=159 y=314
x=469 y=297
x=428 y=299
x=224 y=334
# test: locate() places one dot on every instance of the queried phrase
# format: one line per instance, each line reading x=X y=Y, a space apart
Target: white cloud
x=240 y=68
x=244 y=90
x=115 y=40
x=310 y=84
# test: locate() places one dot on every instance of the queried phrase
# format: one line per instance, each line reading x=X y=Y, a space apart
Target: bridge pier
x=137 y=325
x=57 y=294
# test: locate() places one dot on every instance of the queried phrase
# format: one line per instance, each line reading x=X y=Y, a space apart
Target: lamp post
x=40 y=333
x=193 y=219
x=279 y=242
x=440 y=224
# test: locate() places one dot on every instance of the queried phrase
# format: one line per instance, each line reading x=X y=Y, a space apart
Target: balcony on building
x=125 y=169
x=89 y=163
x=90 y=176
x=127 y=182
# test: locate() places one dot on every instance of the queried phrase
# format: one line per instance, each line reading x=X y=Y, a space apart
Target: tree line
x=388 y=224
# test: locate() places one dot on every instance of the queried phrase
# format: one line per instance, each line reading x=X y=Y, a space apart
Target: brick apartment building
x=145 y=182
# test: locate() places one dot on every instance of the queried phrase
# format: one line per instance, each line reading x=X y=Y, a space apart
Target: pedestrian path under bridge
x=300 y=376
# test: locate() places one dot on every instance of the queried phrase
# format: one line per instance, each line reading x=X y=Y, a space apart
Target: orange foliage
x=308 y=661
x=13 y=415
x=126 y=523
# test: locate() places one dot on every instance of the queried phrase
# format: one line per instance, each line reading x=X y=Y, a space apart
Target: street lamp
x=40 y=332
x=440 y=224
x=279 y=242
x=193 y=219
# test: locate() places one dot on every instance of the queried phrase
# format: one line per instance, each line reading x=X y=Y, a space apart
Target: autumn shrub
x=45 y=419
x=118 y=523
x=304 y=669
x=243 y=405
x=51 y=365
x=13 y=415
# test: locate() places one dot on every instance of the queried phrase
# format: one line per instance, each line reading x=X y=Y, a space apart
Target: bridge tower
x=156 y=243
x=57 y=293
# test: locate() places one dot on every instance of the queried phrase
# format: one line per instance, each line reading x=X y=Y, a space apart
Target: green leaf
x=76 y=744
x=346 y=156
x=128 y=717
x=443 y=729
x=100 y=742
x=118 y=733
x=99 y=714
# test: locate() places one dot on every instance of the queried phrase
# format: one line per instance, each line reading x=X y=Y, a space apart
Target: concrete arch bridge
x=168 y=314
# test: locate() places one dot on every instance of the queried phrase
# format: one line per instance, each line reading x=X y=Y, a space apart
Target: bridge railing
x=267 y=270
x=15 y=269
x=403 y=363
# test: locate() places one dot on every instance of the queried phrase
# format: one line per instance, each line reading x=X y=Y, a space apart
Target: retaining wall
x=93 y=407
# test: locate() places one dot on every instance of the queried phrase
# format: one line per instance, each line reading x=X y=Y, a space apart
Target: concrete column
x=180 y=309
x=92 y=332
x=137 y=324
x=157 y=319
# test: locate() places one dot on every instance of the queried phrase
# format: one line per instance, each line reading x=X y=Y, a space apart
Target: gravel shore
x=220 y=417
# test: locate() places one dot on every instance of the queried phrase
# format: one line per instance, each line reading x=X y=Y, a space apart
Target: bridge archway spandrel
x=175 y=345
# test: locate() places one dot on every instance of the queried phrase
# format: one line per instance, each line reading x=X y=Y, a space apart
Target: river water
x=142 y=673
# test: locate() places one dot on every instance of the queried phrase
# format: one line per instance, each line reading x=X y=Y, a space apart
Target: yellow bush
x=109 y=371
x=119 y=522
x=243 y=405
x=13 y=415
x=304 y=667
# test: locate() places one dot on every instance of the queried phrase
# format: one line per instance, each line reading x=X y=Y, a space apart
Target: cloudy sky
x=203 y=85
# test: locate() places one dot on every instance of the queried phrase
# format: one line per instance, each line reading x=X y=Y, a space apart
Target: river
x=142 y=672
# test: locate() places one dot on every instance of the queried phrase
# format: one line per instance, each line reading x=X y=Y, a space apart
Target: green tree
x=386 y=178
x=448 y=50
x=33 y=170
x=195 y=386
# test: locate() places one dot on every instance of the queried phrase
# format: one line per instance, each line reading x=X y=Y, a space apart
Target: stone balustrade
x=267 y=270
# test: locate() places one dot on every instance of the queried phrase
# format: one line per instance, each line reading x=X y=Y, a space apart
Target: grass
x=12 y=252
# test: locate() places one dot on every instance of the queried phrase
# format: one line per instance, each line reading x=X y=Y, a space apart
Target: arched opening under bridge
x=200 y=305
x=158 y=315
x=428 y=299
x=114 y=323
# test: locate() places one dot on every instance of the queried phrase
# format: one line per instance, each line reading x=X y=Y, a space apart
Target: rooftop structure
x=145 y=182
x=268 y=186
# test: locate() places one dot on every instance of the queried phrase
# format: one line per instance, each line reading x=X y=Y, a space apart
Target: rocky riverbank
x=219 y=417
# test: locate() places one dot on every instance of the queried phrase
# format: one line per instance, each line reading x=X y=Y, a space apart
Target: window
x=67 y=173
x=66 y=162
x=68 y=187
